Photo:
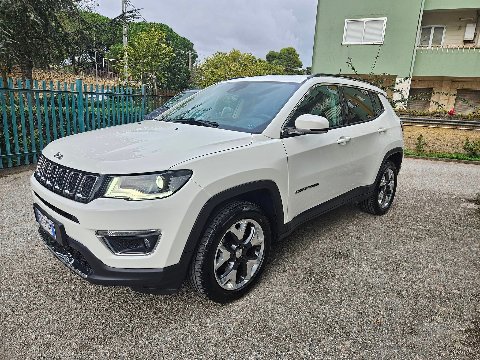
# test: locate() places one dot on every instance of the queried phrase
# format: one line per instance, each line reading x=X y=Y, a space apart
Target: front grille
x=70 y=183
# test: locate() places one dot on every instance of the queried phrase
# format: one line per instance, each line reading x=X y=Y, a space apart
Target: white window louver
x=364 y=31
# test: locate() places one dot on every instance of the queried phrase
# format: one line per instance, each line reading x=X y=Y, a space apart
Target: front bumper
x=174 y=217
x=81 y=261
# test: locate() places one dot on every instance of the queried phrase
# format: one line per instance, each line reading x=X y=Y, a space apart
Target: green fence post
x=97 y=107
x=102 y=89
x=122 y=99
x=144 y=94
x=132 y=105
x=107 y=119
x=6 y=133
x=92 y=107
x=38 y=110
x=115 y=106
x=127 y=105
x=14 y=120
x=80 y=119
x=74 y=109
x=23 y=128
x=86 y=111
x=60 y=109
x=53 y=111
x=45 y=113
x=33 y=142
x=67 y=109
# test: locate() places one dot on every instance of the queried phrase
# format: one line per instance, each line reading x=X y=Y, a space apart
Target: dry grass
x=438 y=139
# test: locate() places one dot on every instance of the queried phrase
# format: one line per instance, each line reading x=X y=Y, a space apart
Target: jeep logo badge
x=58 y=155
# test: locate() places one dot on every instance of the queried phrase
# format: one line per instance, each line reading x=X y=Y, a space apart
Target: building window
x=364 y=31
x=432 y=36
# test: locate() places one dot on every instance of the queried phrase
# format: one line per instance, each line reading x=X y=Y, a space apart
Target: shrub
x=472 y=148
x=420 y=144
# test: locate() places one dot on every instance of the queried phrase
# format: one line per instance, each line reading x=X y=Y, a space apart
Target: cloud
x=255 y=26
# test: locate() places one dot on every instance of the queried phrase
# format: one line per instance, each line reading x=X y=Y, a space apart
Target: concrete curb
x=473 y=162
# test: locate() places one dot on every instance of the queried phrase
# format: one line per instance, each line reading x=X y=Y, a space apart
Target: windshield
x=178 y=97
x=247 y=106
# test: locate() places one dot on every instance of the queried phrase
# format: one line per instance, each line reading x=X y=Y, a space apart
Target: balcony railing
x=450 y=48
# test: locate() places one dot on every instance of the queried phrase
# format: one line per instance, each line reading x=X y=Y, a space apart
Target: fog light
x=130 y=242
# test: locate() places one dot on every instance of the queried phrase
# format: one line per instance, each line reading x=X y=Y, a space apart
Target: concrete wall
x=445 y=90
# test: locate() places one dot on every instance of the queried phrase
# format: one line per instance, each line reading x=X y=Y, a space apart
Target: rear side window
x=359 y=104
x=377 y=103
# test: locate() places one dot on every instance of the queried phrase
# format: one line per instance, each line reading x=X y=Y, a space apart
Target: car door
x=364 y=114
x=319 y=165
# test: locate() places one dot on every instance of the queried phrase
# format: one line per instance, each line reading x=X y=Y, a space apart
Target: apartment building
x=430 y=48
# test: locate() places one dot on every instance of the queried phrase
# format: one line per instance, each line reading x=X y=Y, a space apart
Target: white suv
x=203 y=190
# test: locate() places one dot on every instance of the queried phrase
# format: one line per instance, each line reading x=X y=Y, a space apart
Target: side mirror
x=312 y=123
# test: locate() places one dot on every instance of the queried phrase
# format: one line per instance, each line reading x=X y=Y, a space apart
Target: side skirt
x=353 y=196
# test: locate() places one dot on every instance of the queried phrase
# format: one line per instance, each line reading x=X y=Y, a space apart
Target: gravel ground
x=347 y=285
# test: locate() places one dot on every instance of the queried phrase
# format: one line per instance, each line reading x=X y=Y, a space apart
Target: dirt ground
x=439 y=139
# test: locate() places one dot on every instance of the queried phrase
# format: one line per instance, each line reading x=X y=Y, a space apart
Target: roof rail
x=341 y=76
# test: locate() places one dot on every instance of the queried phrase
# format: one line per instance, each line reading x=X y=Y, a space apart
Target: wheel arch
x=396 y=156
x=264 y=193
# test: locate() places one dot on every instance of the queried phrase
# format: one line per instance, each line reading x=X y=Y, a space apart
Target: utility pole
x=190 y=60
x=125 y=39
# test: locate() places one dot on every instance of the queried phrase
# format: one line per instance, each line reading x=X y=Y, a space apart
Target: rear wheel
x=382 y=198
x=232 y=252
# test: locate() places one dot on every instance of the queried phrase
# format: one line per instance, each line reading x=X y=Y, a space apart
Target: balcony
x=449 y=44
x=448 y=61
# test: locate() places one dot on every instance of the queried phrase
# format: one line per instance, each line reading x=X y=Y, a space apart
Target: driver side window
x=321 y=100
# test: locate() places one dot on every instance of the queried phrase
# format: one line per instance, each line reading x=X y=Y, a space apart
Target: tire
x=232 y=252
x=385 y=187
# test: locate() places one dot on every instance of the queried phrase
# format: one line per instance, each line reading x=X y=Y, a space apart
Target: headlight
x=147 y=187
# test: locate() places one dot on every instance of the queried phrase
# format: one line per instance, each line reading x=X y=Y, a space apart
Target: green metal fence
x=34 y=114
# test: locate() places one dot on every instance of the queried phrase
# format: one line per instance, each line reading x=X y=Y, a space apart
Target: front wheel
x=232 y=252
x=385 y=187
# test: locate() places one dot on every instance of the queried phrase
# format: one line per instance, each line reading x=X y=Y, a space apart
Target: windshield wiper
x=193 y=121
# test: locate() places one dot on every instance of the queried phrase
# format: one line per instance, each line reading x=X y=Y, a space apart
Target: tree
x=32 y=32
x=174 y=73
x=148 y=55
x=177 y=72
x=287 y=58
x=91 y=37
x=223 y=66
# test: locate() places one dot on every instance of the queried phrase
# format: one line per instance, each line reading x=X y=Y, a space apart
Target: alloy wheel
x=386 y=188
x=239 y=254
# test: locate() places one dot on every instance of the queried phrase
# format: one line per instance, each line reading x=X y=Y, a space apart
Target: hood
x=141 y=147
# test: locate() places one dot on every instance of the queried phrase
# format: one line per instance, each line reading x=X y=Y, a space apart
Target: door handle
x=343 y=140
x=382 y=131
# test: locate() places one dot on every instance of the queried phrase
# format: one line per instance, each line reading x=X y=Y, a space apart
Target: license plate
x=46 y=224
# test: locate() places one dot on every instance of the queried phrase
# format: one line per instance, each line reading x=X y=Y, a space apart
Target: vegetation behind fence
x=34 y=114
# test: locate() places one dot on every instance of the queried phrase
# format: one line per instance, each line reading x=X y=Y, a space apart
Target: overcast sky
x=255 y=26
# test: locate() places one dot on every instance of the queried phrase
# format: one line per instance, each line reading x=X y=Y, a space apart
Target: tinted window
x=247 y=106
x=377 y=103
x=323 y=100
x=359 y=105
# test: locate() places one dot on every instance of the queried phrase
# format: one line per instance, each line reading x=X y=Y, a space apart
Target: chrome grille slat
x=70 y=183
